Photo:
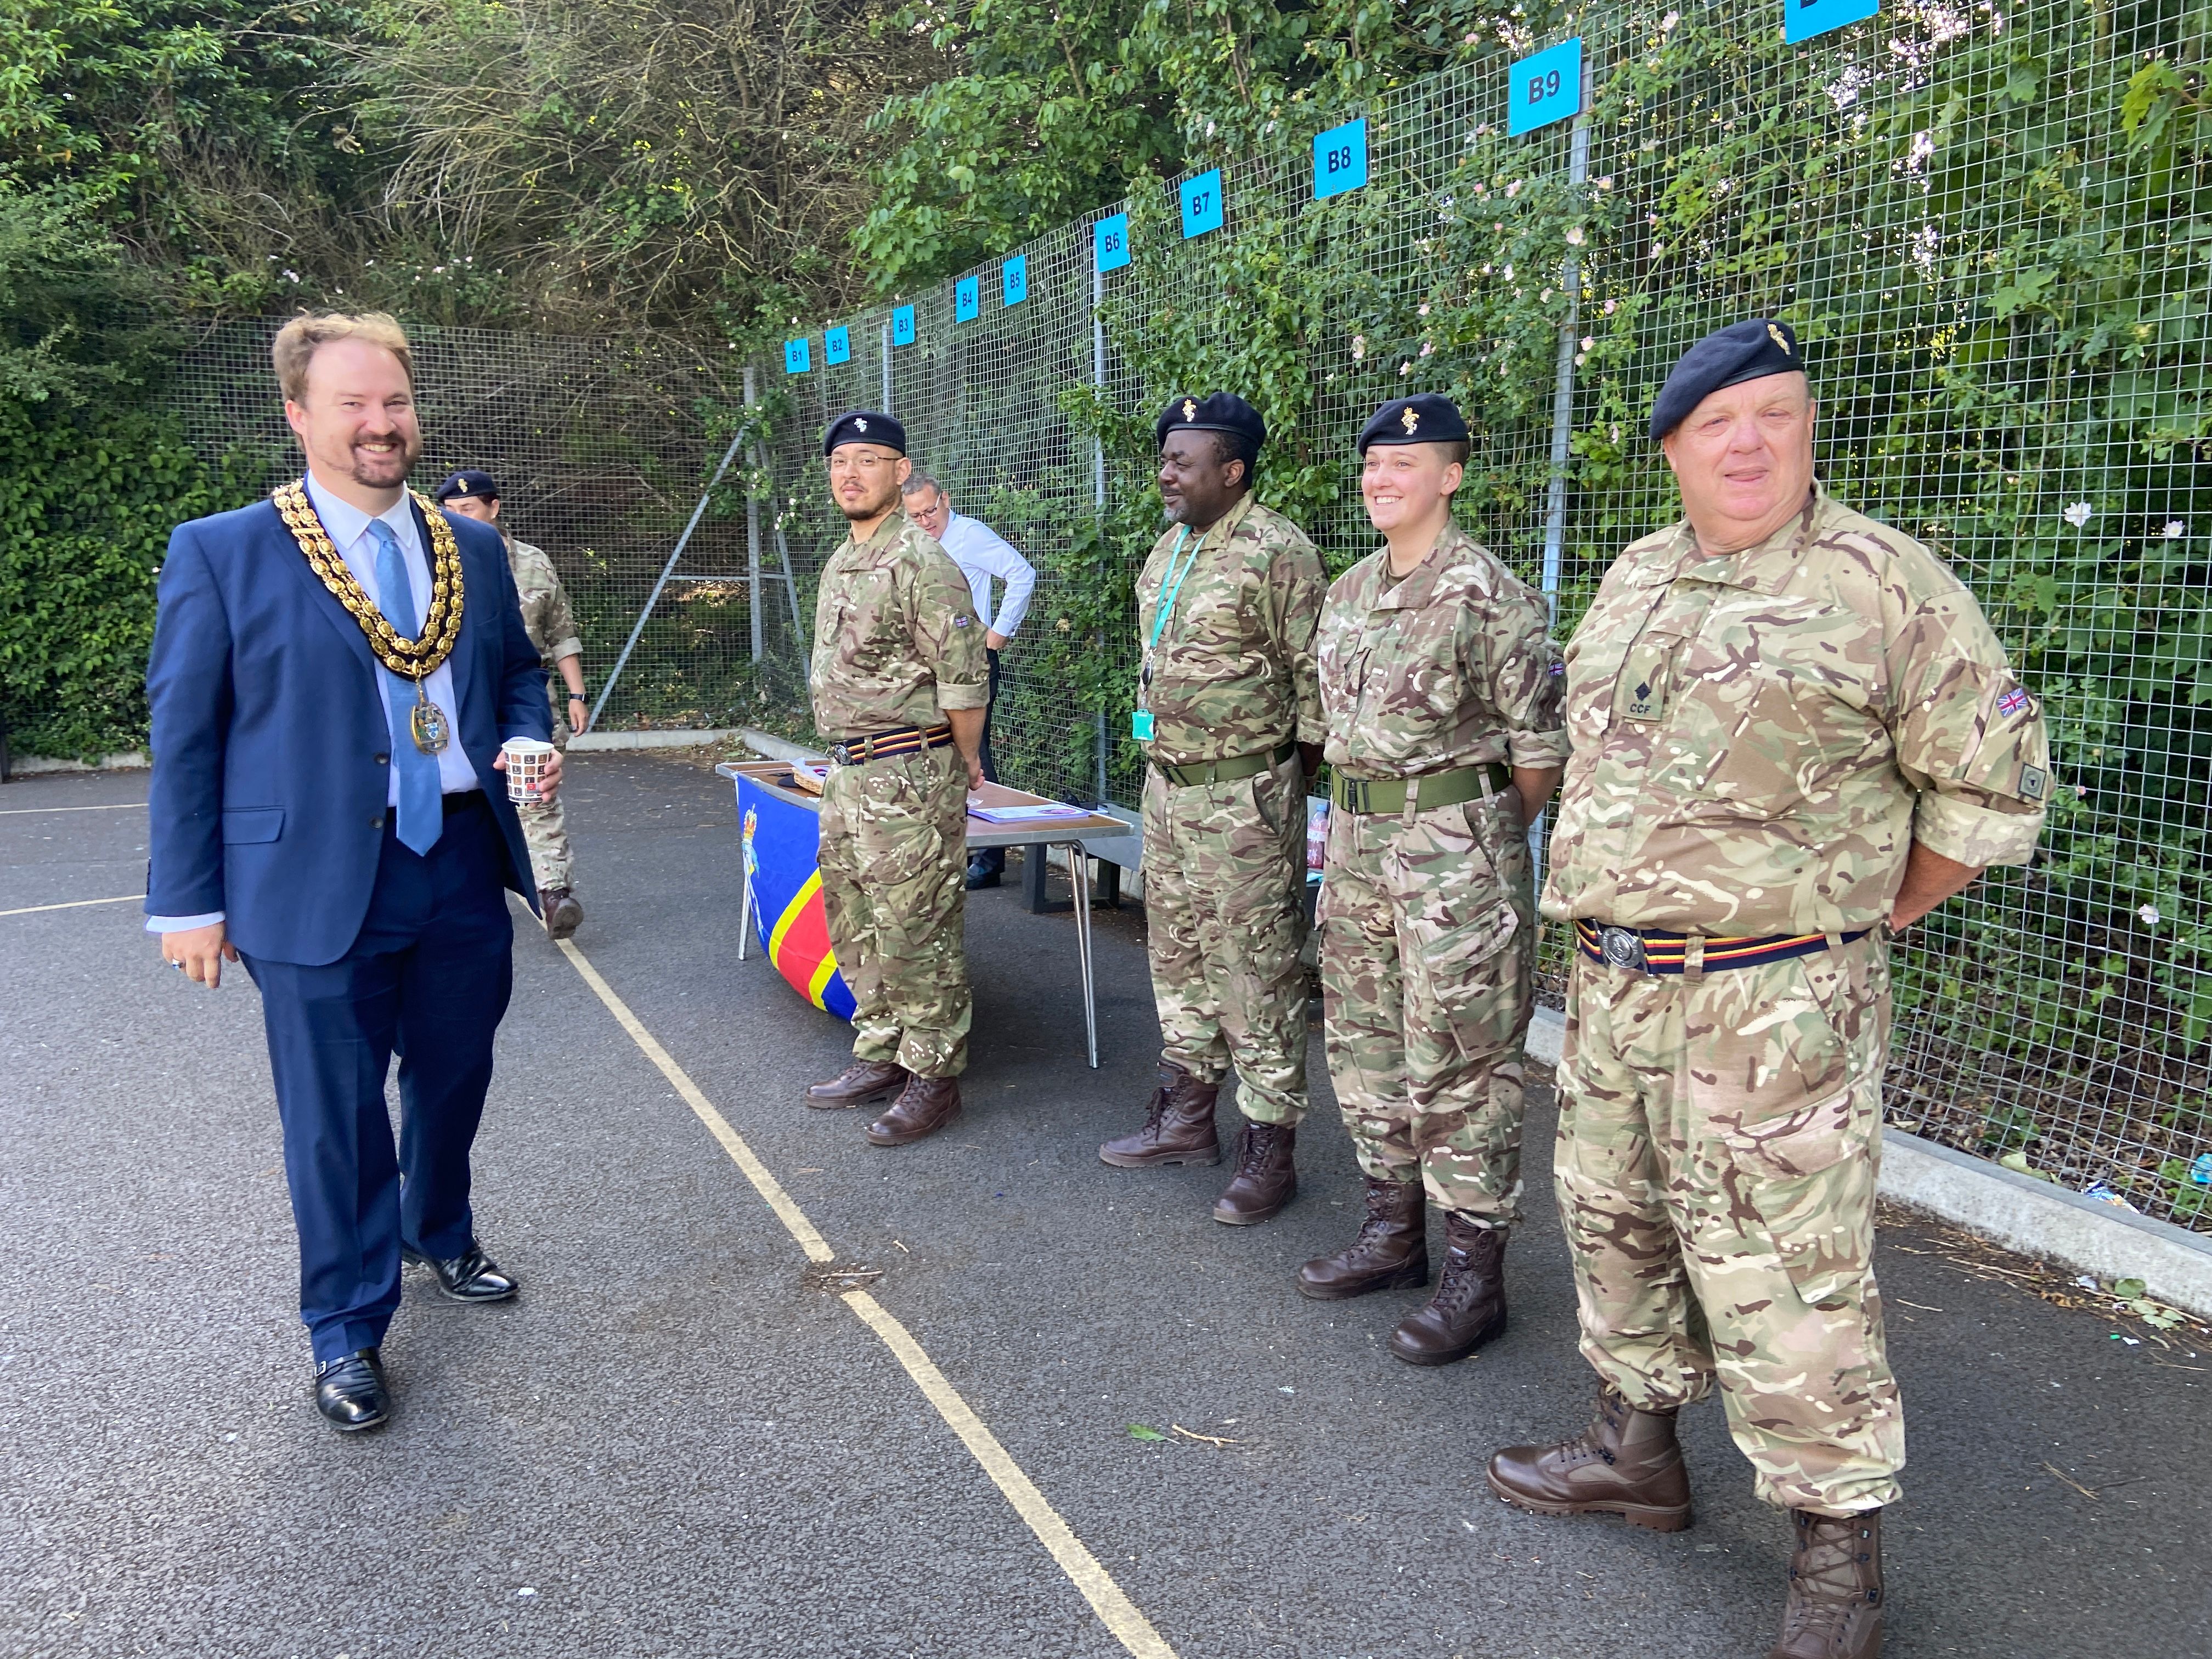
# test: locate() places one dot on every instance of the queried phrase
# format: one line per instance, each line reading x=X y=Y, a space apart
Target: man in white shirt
x=982 y=554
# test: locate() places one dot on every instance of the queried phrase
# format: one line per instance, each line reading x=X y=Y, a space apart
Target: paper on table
x=1025 y=814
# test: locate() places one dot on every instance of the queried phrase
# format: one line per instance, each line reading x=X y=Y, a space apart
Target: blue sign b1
x=1802 y=19
x=837 y=346
x=796 y=358
x=1341 y=159
x=1546 y=88
x=1109 y=242
x=967 y=299
x=903 y=325
x=1201 y=204
x=1015 y=283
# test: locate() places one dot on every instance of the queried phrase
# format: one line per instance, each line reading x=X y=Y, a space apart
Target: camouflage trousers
x=894 y=870
x=1224 y=923
x=545 y=828
x=1719 y=1143
x=1428 y=940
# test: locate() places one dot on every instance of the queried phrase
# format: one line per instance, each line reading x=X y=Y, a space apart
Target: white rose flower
x=2149 y=913
x=2175 y=530
x=2078 y=514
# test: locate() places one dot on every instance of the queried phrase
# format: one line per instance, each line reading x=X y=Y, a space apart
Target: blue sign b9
x=1341 y=159
x=1546 y=88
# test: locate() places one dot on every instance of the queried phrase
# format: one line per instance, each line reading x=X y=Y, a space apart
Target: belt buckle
x=1355 y=794
x=842 y=753
x=1623 y=947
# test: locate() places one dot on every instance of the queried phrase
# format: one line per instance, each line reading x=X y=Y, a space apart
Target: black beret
x=865 y=426
x=467 y=482
x=1423 y=418
x=1218 y=411
x=1748 y=350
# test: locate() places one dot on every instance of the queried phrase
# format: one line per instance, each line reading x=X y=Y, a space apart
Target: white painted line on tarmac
x=115 y=806
x=1114 y=1610
x=74 y=904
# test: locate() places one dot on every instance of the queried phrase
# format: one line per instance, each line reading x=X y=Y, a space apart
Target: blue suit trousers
x=428 y=978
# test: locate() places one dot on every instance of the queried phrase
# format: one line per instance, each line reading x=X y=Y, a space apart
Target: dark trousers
x=993 y=859
x=427 y=979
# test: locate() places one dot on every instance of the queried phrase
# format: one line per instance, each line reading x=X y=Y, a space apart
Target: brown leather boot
x=1390 y=1252
x=863 y=1080
x=563 y=916
x=1266 y=1178
x=1834 y=1610
x=1178 y=1125
x=1626 y=1463
x=926 y=1105
x=1468 y=1308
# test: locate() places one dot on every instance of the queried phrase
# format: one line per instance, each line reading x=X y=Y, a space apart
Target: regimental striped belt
x=880 y=745
x=1453 y=788
x=1225 y=771
x=1649 y=952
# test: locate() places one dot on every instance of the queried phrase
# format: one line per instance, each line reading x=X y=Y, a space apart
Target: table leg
x=746 y=888
x=1079 y=881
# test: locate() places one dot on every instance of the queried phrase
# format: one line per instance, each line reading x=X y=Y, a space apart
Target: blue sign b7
x=1545 y=87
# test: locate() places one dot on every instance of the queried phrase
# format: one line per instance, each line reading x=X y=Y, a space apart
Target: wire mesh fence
x=2002 y=281
x=1992 y=229
x=601 y=450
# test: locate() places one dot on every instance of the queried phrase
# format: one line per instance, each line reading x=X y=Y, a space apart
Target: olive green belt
x=1462 y=783
x=1225 y=771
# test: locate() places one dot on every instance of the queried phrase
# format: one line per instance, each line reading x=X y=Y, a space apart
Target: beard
x=872 y=508
x=385 y=470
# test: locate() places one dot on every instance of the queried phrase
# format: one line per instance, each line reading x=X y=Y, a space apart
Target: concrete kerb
x=2036 y=1217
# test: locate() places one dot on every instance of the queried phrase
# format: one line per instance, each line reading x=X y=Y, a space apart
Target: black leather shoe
x=471 y=1276
x=349 y=1392
x=980 y=874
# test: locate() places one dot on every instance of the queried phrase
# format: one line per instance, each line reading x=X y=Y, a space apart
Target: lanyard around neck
x=1173 y=587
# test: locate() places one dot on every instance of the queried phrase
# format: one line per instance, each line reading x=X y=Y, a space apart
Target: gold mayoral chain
x=415 y=658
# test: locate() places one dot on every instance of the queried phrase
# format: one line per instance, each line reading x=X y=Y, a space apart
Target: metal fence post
x=1563 y=424
x=886 y=348
x=1098 y=461
x=752 y=533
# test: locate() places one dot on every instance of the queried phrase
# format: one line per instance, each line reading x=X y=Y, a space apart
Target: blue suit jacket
x=271 y=763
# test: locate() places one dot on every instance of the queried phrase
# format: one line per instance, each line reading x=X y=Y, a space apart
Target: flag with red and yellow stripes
x=781 y=844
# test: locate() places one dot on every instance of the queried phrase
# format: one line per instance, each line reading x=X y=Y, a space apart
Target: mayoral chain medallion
x=415 y=658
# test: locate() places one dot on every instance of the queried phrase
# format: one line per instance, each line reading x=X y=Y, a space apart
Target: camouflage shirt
x=895 y=638
x=545 y=613
x=1233 y=673
x=1761 y=737
x=1452 y=665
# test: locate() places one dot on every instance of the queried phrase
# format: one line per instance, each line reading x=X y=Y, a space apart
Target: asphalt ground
x=674 y=1443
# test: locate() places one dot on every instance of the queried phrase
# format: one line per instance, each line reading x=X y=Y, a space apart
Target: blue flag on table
x=781 y=843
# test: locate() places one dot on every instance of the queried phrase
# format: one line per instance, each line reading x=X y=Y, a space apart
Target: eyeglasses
x=863 y=462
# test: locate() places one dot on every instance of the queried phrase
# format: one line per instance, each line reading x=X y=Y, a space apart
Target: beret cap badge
x=1777 y=335
x=1190 y=410
x=1412 y=417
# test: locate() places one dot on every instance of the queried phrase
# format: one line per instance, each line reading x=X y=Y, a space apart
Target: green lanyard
x=1173 y=586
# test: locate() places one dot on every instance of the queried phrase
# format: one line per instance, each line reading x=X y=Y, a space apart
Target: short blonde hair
x=297 y=341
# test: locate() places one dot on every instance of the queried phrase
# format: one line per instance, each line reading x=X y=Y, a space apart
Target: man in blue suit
x=334 y=673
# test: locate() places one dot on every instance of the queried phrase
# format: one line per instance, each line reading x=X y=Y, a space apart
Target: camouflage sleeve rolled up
x=1516 y=669
x=545 y=613
x=1296 y=587
x=1970 y=737
x=947 y=637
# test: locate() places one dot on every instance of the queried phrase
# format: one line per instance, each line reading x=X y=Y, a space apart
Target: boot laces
x=1259 y=1141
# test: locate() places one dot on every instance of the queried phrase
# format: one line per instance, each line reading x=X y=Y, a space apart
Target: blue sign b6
x=1546 y=88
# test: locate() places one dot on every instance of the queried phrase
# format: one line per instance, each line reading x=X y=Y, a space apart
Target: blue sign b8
x=1546 y=88
x=1341 y=159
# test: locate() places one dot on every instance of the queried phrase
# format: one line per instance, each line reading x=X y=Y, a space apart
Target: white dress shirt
x=982 y=553
x=348 y=528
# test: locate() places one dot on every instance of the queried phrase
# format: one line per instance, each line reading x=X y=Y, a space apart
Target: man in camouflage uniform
x=1794 y=736
x=900 y=689
x=552 y=629
x=1226 y=609
x=1441 y=687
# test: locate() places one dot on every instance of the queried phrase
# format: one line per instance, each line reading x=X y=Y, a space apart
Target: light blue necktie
x=421 y=811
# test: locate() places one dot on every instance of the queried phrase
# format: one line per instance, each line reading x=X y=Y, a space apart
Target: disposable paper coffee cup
x=526 y=766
